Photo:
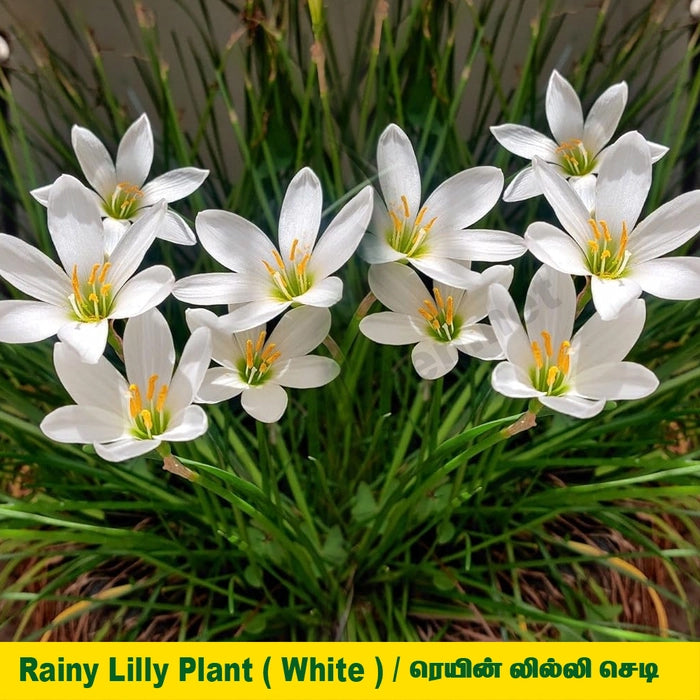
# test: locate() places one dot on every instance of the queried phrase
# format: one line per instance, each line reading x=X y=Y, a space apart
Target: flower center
x=258 y=360
x=291 y=280
x=149 y=418
x=124 y=201
x=406 y=237
x=607 y=257
x=442 y=324
x=549 y=375
x=91 y=301
x=575 y=158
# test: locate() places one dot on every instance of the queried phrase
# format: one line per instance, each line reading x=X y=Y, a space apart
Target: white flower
x=440 y=323
x=578 y=148
x=124 y=418
x=123 y=197
x=76 y=302
x=257 y=367
x=431 y=236
x=619 y=253
x=570 y=375
x=265 y=281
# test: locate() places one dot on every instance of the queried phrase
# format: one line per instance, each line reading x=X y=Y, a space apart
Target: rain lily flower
x=265 y=281
x=440 y=323
x=121 y=194
x=578 y=148
x=78 y=301
x=572 y=375
x=124 y=418
x=618 y=253
x=257 y=367
x=431 y=237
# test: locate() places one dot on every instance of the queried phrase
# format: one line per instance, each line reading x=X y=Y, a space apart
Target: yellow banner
x=345 y=670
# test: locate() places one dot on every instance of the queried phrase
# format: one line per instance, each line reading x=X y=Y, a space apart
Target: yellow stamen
x=103 y=274
x=397 y=222
x=301 y=267
x=623 y=241
x=94 y=298
x=278 y=259
x=249 y=353
x=431 y=306
x=563 y=358
x=449 y=313
x=261 y=341
x=263 y=368
x=268 y=267
x=293 y=251
x=406 y=210
x=135 y=401
x=425 y=314
x=272 y=358
x=105 y=290
x=147 y=420
x=435 y=324
x=537 y=354
x=547 y=343
x=420 y=216
x=151 y=386
x=605 y=254
x=162 y=396
x=594 y=226
x=438 y=298
x=552 y=375
x=76 y=285
x=93 y=273
x=606 y=230
x=594 y=245
x=430 y=223
x=268 y=351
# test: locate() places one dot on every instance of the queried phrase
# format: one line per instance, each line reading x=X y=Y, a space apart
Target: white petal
x=323 y=293
x=265 y=402
x=474 y=305
x=668 y=227
x=440 y=269
x=464 y=198
x=95 y=161
x=87 y=339
x=479 y=340
x=398 y=287
x=41 y=194
x=389 y=328
x=657 y=151
x=234 y=241
x=510 y=380
x=553 y=247
x=82 y=424
x=114 y=229
x=219 y=384
x=585 y=189
x=524 y=141
x=601 y=341
x=148 y=349
x=173 y=185
x=671 y=278
x=375 y=250
x=135 y=153
x=506 y=324
x=575 y=406
x=398 y=170
x=143 y=292
x=75 y=225
x=301 y=330
x=220 y=288
x=475 y=244
x=133 y=245
x=624 y=180
x=616 y=380
x=188 y=424
x=127 y=448
x=563 y=108
x=32 y=272
x=222 y=339
x=570 y=210
x=524 y=185
x=604 y=116
x=28 y=321
x=306 y=372
x=253 y=314
x=176 y=230
x=343 y=235
x=550 y=305
x=432 y=359
x=99 y=385
x=190 y=370
x=300 y=216
x=610 y=296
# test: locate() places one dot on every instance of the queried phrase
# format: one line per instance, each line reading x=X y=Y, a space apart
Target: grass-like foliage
x=381 y=506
